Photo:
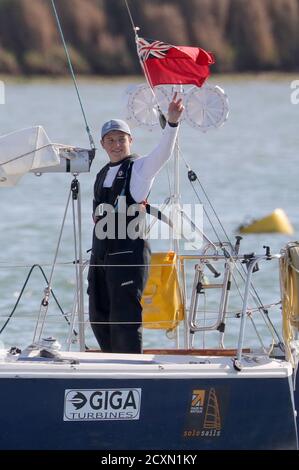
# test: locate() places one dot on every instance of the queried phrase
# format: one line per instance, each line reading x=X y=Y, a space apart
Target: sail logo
x=204 y=415
x=197 y=402
x=102 y=405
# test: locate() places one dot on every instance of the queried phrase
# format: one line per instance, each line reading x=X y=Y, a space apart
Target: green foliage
x=8 y=62
x=53 y=62
x=245 y=35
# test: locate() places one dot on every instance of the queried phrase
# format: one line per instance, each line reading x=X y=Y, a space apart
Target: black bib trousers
x=117 y=276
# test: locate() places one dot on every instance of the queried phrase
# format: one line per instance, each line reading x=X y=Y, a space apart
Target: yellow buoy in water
x=277 y=221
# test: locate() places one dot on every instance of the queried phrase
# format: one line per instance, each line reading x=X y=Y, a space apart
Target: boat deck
x=97 y=364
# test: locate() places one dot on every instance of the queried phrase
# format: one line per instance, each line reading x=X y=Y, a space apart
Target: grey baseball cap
x=115 y=125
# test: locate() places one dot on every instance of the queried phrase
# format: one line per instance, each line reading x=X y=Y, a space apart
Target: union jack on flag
x=148 y=49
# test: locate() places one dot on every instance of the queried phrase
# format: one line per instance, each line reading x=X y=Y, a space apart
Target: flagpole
x=162 y=118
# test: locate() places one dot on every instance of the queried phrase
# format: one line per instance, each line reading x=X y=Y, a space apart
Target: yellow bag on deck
x=162 y=301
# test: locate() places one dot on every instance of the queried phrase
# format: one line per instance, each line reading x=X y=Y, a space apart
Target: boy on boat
x=120 y=255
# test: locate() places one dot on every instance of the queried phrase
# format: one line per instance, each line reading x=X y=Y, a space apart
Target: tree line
x=244 y=35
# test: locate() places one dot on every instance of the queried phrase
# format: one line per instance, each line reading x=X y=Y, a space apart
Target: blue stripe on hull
x=192 y=414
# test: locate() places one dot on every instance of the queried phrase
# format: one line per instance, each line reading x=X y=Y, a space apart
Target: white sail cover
x=25 y=150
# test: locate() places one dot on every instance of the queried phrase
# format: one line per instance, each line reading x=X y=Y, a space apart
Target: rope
x=143 y=66
x=6 y=264
x=162 y=118
x=289 y=296
x=73 y=75
x=26 y=154
x=130 y=16
x=21 y=294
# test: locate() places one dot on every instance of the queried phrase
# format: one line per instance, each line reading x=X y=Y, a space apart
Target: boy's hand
x=175 y=109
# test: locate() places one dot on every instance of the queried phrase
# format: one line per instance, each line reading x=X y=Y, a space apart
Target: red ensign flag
x=167 y=64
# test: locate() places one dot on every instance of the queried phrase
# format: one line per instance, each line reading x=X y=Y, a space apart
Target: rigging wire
x=27 y=153
x=73 y=75
x=255 y=295
x=203 y=205
x=215 y=213
x=22 y=292
x=201 y=202
x=56 y=146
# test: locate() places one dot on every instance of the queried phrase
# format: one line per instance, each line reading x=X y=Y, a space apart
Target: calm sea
x=248 y=168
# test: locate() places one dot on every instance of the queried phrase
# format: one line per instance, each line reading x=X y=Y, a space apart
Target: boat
x=228 y=394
